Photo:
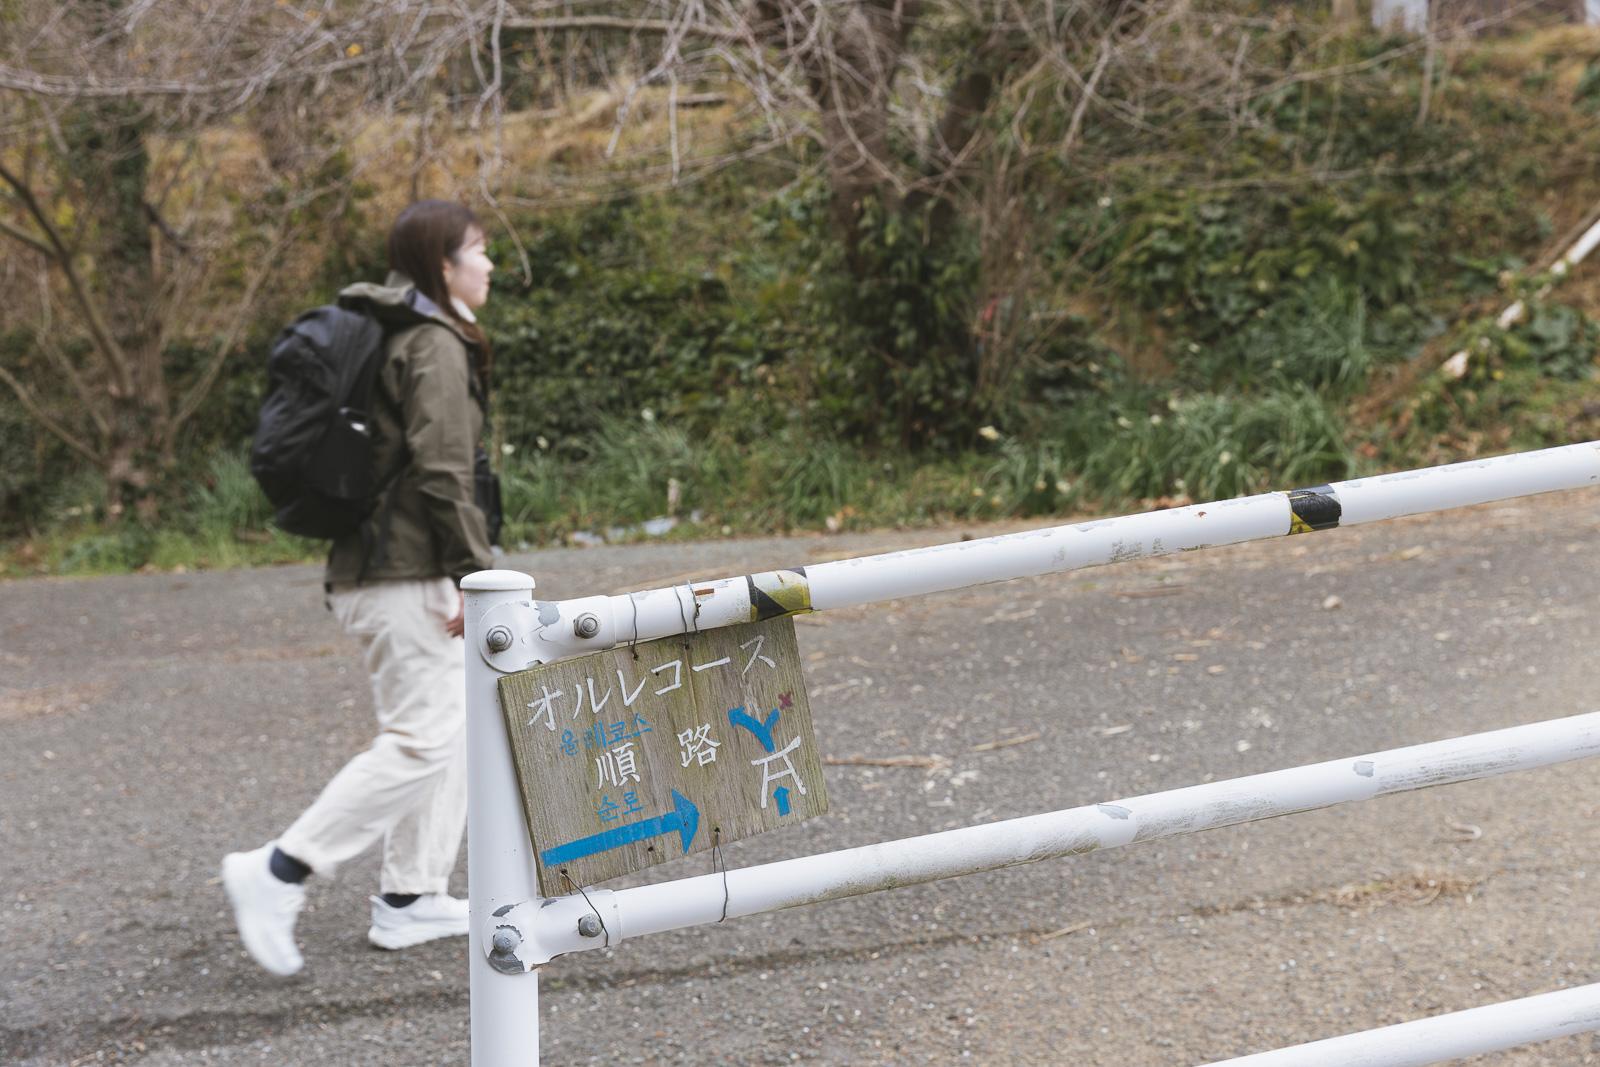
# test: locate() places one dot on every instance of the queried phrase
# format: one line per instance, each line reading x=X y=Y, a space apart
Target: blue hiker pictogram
x=761 y=730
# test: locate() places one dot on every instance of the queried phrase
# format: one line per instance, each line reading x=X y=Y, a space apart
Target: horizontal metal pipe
x=808 y=880
x=656 y=613
x=1492 y=1028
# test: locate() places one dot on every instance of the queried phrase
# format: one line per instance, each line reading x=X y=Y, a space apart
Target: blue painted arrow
x=781 y=795
x=684 y=818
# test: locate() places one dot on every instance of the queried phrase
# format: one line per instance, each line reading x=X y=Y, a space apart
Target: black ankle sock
x=400 y=900
x=286 y=868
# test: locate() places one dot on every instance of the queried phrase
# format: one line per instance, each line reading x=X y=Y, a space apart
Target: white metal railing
x=560 y=630
x=507 y=630
x=1492 y=1028
x=552 y=929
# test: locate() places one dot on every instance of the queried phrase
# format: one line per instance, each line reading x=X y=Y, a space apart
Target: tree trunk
x=107 y=147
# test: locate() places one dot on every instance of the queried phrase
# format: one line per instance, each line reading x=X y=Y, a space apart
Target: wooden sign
x=636 y=756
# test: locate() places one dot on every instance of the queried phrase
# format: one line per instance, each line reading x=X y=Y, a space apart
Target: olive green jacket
x=427 y=417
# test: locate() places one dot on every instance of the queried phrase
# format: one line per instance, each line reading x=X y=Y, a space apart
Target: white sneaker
x=264 y=908
x=430 y=916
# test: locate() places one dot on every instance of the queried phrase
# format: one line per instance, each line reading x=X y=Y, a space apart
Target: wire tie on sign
x=718 y=859
x=601 y=919
x=694 y=618
x=633 y=646
x=690 y=623
x=683 y=620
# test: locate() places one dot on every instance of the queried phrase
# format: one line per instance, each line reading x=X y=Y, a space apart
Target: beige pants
x=410 y=787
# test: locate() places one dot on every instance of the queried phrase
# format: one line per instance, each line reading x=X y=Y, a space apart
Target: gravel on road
x=149 y=724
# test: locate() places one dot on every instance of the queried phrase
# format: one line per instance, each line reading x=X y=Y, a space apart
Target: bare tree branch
x=661 y=27
x=90 y=405
x=27 y=239
x=241 y=316
x=105 y=343
x=42 y=417
x=1086 y=97
x=44 y=336
x=160 y=223
x=33 y=83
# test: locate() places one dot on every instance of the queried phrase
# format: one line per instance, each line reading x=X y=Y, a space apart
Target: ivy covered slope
x=1199 y=324
x=1267 y=294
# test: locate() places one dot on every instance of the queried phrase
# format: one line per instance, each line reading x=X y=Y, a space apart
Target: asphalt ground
x=150 y=724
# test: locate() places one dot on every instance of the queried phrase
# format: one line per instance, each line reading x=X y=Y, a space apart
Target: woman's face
x=466 y=274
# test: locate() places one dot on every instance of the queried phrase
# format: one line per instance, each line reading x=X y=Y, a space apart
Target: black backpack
x=313 y=449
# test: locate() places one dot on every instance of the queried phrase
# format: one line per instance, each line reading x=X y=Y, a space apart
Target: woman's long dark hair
x=422 y=238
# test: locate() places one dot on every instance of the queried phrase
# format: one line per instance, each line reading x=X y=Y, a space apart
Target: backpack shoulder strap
x=375 y=532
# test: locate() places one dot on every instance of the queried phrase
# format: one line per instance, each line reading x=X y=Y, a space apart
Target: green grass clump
x=1319 y=337
x=1129 y=450
x=226 y=523
x=1118 y=455
x=780 y=482
x=1207 y=446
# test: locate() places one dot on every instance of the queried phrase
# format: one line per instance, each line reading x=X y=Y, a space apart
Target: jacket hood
x=397 y=304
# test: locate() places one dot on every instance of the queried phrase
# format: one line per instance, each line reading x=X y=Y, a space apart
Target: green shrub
x=1554 y=341
x=1211 y=265
x=123 y=548
x=1322 y=335
x=1503 y=387
x=892 y=357
x=35 y=463
x=1255 y=263
x=1587 y=94
x=618 y=324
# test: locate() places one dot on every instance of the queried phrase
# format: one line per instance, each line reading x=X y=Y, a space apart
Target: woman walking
x=394 y=586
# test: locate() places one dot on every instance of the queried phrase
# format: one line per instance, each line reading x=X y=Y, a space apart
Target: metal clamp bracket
x=568 y=628
x=519 y=938
x=508 y=643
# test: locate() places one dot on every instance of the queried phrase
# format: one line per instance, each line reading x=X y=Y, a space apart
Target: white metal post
x=500 y=861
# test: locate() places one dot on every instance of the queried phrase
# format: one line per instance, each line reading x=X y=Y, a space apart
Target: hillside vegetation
x=1266 y=301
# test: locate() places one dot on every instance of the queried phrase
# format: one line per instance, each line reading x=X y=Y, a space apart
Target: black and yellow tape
x=1313 y=509
x=777 y=593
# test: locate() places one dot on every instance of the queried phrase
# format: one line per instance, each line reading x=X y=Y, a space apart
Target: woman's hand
x=458 y=624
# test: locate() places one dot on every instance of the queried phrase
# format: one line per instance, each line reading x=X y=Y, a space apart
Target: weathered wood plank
x=636 y=756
